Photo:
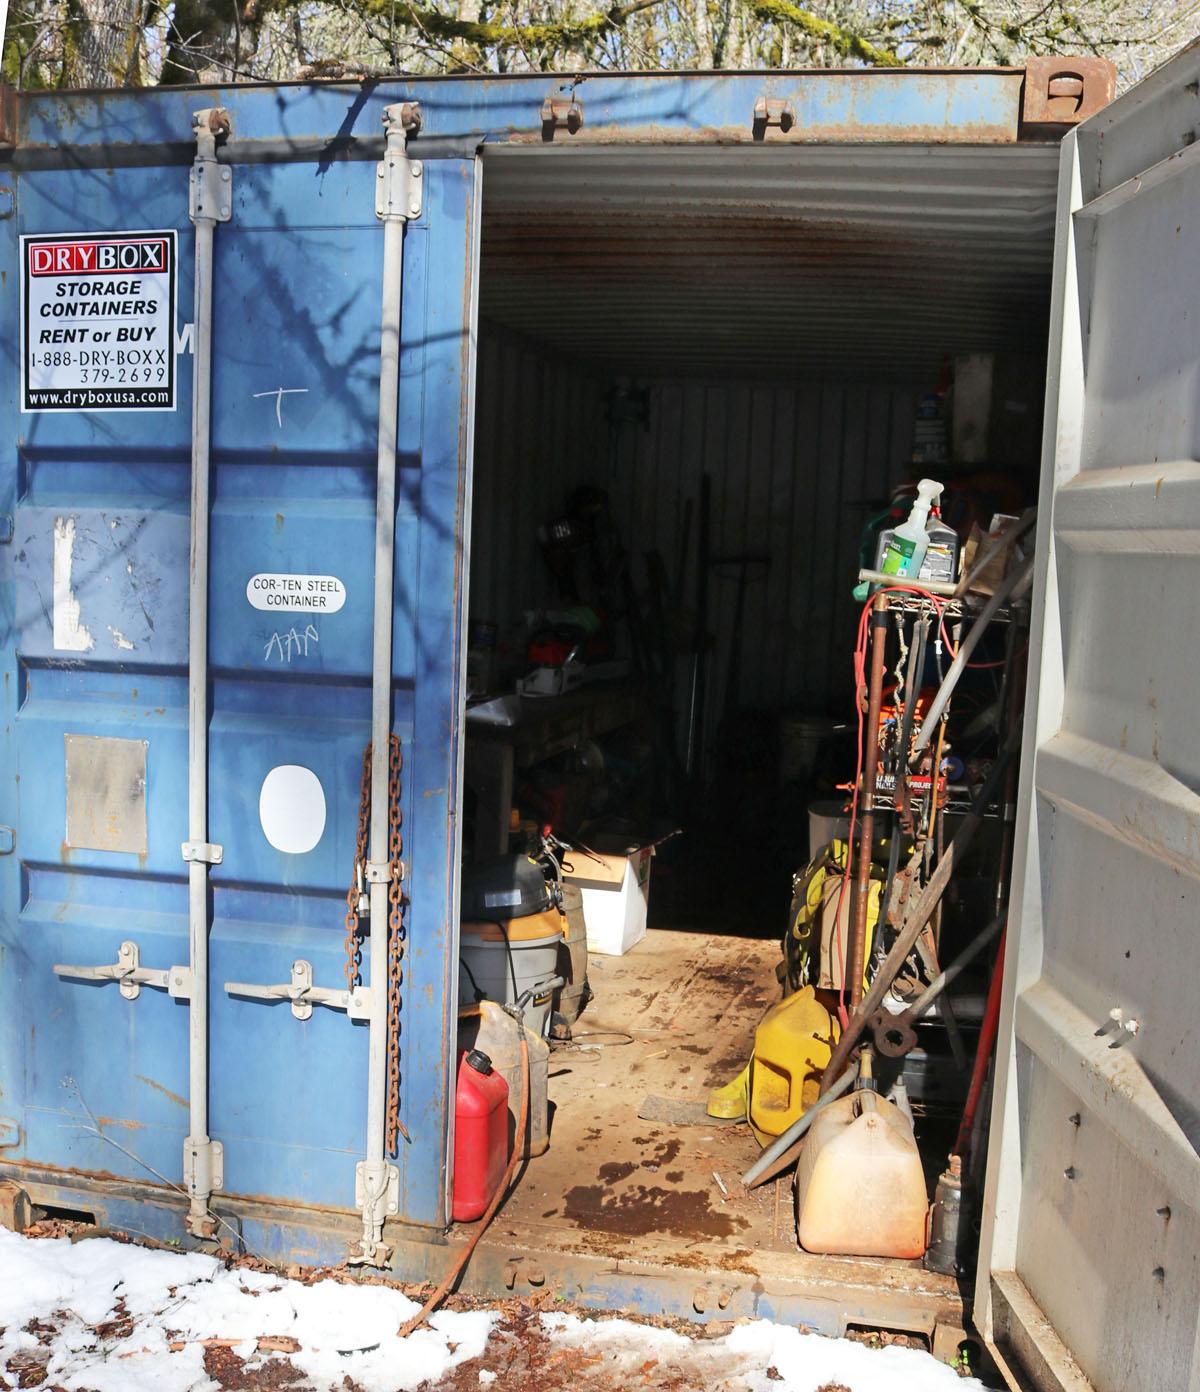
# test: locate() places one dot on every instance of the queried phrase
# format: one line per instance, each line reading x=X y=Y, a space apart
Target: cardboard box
x=616 y=893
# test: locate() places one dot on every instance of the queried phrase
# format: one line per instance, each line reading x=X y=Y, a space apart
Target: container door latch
x=304 y=995
x=128 y=972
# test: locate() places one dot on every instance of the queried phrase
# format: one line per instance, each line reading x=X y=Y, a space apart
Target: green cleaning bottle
x=906 y=547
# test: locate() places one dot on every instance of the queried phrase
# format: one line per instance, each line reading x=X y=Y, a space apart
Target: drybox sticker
x=98 y=321
x=319 y=594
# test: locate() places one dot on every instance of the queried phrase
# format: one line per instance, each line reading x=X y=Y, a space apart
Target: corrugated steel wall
x=540 y=429
x=796 y=470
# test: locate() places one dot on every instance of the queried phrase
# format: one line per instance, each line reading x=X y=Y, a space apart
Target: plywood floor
x=675 y=1017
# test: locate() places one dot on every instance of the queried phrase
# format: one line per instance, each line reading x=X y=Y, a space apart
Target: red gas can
x=480 y=1135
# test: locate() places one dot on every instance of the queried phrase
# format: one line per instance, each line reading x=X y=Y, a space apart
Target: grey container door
x=1090 y=1260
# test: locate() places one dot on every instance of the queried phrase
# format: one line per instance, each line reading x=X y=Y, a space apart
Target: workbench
x=546 y=726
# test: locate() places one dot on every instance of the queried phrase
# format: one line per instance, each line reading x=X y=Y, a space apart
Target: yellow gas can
x=792 y=1045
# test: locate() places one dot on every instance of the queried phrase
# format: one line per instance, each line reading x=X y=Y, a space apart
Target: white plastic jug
x=860 y=1188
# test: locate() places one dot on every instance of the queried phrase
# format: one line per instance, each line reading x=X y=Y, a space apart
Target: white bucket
x=501 y=961
x=827 y=821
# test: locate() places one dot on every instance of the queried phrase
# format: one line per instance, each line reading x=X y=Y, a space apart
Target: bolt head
x=414 y=208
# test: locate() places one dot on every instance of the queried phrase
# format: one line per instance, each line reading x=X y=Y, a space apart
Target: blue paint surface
x=97 y=1083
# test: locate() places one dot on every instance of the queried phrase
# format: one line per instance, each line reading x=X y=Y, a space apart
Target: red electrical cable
x=983 y=1053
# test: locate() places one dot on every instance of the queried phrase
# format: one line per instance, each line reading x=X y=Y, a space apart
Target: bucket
x=501 y=961
x=486 y=1027
x=827 y=821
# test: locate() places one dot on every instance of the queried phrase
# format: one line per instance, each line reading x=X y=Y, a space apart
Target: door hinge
x=210 y=185
x=772 y=112
x=398 y=181
x=1065 y=91
x=561 y=113
x=203 y=1166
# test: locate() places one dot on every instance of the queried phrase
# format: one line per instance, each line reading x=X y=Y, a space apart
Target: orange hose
x=460 y=1262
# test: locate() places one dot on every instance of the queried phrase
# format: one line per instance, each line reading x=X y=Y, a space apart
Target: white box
x=616 y=892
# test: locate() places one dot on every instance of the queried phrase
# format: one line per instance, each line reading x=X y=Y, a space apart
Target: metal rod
x=918 y=916
x=935 y=587
x=860 y=891
x=948 y=974
x=778 y=1155
x=1011 y=585
x=393 y=209
x=206 y=208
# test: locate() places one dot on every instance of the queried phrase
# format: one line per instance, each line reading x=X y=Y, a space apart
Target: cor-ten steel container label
x=97 y=322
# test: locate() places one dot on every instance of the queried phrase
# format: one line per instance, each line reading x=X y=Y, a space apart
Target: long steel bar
x=375 y=1176
x=207 y=207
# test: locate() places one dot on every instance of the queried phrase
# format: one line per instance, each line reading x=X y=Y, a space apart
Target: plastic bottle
x=860 y=1186
x=906 y=547
x=480 y=1135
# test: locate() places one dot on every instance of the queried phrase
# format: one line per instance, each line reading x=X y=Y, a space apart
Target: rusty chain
x=358 y=880
x=396 y=936
x=396 y=930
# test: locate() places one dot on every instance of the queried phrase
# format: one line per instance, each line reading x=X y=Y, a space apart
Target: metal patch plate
x=106 y=793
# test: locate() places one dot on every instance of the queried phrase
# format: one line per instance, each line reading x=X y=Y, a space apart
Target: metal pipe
x=916 y=919
x=394 y=207
x=948 y=974
x=860 y=891
x=209 y=203
x=778 y=1154
x=1012 y=584
x=935 y=587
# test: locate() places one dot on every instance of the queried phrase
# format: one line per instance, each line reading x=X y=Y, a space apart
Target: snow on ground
x=103 y=1316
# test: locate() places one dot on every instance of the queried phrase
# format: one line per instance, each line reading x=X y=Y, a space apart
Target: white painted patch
x=70 y=635
x=314 y=594
x=119 y=639
x=291 y=808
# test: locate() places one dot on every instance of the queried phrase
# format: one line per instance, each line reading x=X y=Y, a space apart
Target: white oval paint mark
x=313 y=594
x=291 y=808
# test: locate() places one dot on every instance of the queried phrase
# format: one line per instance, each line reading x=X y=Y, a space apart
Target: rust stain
x=640 y=1211
x=827 y=132
x=121 y=1122
x=158 y=1087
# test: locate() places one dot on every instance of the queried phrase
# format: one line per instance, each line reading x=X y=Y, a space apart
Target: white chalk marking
x=279 y=393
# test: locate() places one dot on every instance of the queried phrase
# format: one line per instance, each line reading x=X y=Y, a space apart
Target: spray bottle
x=906 y=547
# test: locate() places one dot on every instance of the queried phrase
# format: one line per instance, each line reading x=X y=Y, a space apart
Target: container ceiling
x=813 y=261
